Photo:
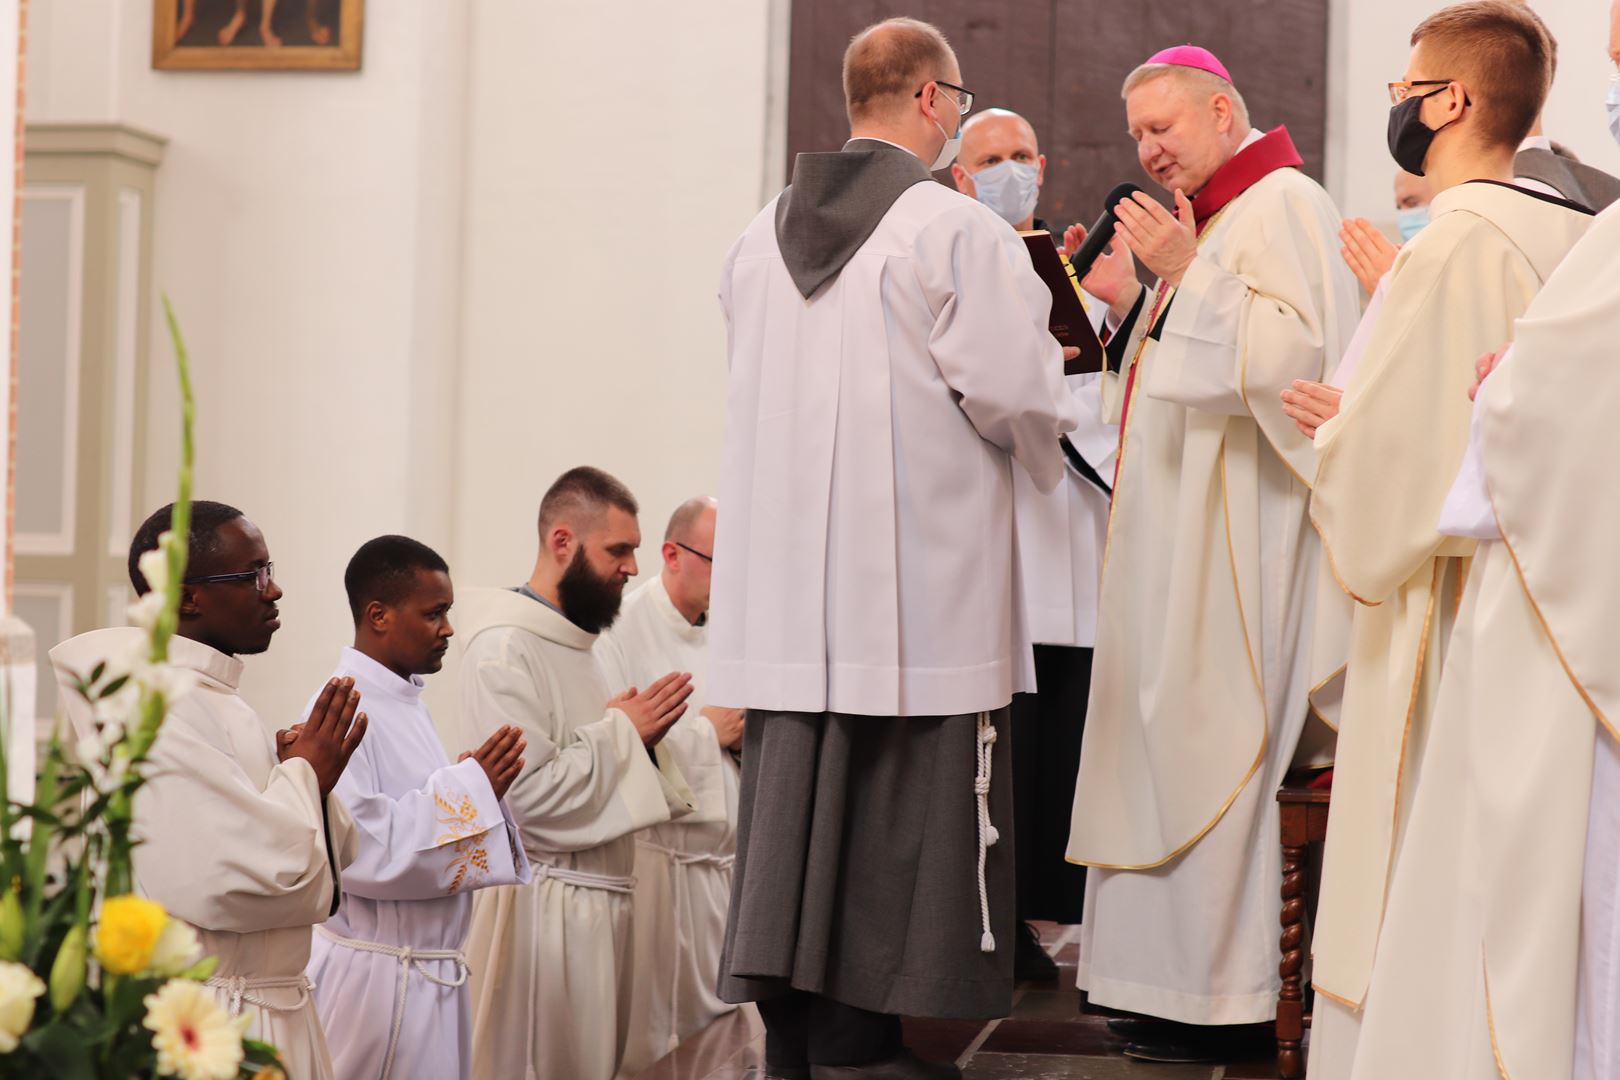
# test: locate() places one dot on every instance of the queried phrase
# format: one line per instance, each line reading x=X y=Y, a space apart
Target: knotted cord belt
x=409 y=957
x=682 y=860
x=240 y=988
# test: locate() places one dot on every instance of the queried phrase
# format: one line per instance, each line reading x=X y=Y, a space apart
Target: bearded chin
x=590 y=602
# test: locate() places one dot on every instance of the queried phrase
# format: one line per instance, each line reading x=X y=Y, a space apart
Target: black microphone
x=1098 y=235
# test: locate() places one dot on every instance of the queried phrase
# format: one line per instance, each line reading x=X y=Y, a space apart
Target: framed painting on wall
x=256 y=35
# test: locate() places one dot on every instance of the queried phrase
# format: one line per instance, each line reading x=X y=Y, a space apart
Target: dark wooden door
x=1060 y=63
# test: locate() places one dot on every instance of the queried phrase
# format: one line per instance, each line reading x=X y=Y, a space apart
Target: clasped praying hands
x=1166 y=244
x=1311 y=404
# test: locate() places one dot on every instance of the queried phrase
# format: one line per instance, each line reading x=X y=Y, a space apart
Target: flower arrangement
x=95 y=982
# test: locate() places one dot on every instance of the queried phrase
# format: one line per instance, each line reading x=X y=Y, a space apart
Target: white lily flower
x=154 y=565
x=144 y=612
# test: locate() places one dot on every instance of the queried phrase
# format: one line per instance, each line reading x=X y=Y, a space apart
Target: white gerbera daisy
x=194 y=1037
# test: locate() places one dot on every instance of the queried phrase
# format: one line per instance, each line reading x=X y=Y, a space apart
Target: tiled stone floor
x=1047 y=1037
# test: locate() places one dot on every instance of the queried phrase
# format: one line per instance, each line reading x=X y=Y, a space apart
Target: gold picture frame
x=257 y=35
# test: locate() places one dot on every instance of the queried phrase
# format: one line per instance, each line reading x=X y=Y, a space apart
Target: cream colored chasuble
x=1476 y=972
x=1384 y=465
x=1198 y=688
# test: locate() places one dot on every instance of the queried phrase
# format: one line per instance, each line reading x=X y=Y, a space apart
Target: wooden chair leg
x=1291 y=1000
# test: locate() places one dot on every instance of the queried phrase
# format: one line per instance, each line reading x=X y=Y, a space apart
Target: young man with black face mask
x=551 y=961
x=388 y=968
x=1389 y=446
x=245 y=847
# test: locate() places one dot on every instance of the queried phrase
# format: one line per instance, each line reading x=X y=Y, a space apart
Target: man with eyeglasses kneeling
x=238 y=833
x=683 y=866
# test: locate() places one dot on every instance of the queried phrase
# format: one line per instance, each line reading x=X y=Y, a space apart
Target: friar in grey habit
x=889 y=359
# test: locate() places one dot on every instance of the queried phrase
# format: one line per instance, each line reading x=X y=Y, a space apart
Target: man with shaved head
x=889 y=360
x=683 y=868
x=1198 y=693
x=552 y=967
x=1060 y=543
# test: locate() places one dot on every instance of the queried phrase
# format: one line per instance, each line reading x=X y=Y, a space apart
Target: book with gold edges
x=1068 y=322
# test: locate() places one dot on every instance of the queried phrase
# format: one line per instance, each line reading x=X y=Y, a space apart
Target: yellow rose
x=128 y=932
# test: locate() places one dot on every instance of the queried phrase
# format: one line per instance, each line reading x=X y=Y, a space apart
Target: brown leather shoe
x=904 y=1066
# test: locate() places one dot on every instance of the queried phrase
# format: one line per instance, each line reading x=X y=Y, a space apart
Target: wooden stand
x=1304 y=816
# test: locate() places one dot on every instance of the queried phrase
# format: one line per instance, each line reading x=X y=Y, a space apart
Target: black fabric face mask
x=1409 y=137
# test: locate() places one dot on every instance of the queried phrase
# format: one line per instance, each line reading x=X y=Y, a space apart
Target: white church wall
x=307 y=232
x=1368 y=48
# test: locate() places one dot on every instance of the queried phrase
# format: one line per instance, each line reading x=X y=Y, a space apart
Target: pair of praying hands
x=1311 y=404
x=1165 y=243
x=329 y=737
x=501 y=758
x=1367 y=251
x=654 y=710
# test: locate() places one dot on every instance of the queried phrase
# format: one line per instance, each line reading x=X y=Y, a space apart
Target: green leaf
x=113 y=687
x=63 y=1049
x=96 y=673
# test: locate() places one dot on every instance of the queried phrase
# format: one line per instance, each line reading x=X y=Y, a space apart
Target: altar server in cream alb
x=552 y=961
x=1198 y=694
x=389 y=974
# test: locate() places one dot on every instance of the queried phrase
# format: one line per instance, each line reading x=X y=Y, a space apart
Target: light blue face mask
x=1010 y=189
x=1411 y=220
x=1613 y=102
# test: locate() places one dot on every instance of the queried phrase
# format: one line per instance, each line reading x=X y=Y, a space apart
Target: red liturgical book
x=1069 y=322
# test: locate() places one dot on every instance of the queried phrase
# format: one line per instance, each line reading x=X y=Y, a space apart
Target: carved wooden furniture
x=1304 y=816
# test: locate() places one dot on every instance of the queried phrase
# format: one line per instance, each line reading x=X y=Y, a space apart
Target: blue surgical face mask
x=1411 y=220
x=1613 y=102
x=1010 y=188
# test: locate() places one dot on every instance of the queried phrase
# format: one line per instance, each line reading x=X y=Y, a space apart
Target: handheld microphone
x=1099 y=234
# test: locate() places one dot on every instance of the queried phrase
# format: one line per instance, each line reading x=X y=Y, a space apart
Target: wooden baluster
x=1291 y=1001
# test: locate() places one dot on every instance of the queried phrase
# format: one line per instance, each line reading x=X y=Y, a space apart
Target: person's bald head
x=689 y=555
x=887 y=63
x=990 y=138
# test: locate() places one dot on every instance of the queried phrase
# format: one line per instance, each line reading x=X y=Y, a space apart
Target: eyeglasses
x=964 y=96
x=1400 y=91
x=695 y=551
x=261 y=577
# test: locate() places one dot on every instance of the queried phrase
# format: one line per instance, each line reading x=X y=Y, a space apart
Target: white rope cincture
x=613 y=883
x=408 y=958
x=240 y=988
x=987 y=832
x=682 y=860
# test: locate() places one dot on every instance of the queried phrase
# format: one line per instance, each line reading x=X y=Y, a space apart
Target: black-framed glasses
x=964 y=96
x=261 y=577
x=695 y=551
x=1400 y=91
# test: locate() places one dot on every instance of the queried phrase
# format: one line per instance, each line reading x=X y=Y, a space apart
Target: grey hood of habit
x=835 y=203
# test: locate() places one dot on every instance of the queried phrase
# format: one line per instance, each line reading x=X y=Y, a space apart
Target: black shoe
x=1030 y=961
x=904 y=1066
x=1193 y=1043
x=1139 y=1028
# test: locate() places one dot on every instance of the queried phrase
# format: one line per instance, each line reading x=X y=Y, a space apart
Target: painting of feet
x=256 y=35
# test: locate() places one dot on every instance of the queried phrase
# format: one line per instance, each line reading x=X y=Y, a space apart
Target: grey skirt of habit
x=857 y=865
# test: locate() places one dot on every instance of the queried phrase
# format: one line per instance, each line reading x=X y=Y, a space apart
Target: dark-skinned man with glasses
x=1390 y=437
x=239 y=835
x=683 y=867
x=889 y=360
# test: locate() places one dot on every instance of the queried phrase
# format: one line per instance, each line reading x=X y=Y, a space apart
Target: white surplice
x=552 y=966
x=683 y=868
x=1198 y=694
x=431 y=833
x=235 y=843
x=865 y=560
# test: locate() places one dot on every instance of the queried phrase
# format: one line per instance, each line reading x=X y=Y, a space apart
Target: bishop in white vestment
x=683 y=868
x=1198 y=692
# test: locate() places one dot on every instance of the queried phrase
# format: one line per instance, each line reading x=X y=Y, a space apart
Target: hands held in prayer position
x=1482 y=370
x=1166 y=244
x=654 y=710
x=1367 y=251
x=1112 y=278
x=329 y=737
x=1311 y=404
x=728 y=723
x=501 y=758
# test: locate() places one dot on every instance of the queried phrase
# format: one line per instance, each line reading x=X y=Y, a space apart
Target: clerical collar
x=1257 y=158
x=206 y=661
x=379 y=676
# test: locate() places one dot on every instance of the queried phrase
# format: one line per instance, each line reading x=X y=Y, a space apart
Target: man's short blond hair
x=888 y=61
x=1194 y=80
